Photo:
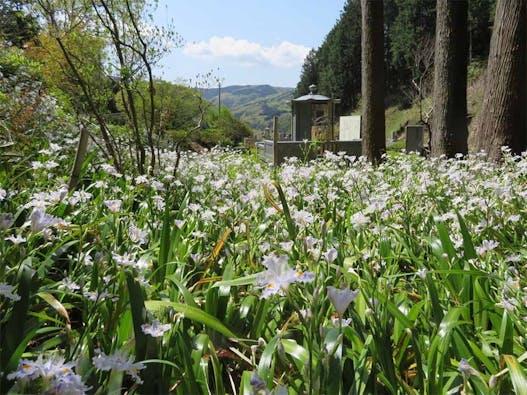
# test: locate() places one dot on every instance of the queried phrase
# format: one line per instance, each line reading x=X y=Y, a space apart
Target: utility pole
x=219 y=100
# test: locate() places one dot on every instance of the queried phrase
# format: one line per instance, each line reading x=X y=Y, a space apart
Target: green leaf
x=246 y=280
x=298 y=352
x=394 y=310
x=59 y=308
x=245 y=386
x=192 y=313
x=137 y=307
x=448 y=247
x=267 y=359
x=164 y=247
x=187 y=295
x=518 y=378
x=16 y=326
x=506 y=334
x=291 y=227
x=468 y=245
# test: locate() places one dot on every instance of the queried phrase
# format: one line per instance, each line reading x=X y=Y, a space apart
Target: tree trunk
x=449 y=122
x=373 y=124
x=503 y=115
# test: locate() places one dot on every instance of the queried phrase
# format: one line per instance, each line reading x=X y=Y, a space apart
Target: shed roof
x=312 y=97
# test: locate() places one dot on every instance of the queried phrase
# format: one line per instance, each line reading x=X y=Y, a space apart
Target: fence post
x=275 y=141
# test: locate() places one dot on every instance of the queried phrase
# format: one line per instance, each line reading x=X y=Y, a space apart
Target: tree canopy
x=409 y=27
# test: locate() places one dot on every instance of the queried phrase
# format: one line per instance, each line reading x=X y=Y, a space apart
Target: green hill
x=256 y=104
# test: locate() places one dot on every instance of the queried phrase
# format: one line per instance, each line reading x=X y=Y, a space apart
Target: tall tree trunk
x=449 y=122
x=373 y=127
x=503 y=115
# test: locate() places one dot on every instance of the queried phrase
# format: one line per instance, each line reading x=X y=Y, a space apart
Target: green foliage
x=409 y=37
x=308 y=75
x=225 y=126
x=14 y=62
x=339 y=58
x=433 y=251
x=17 y=25
x=256 y=105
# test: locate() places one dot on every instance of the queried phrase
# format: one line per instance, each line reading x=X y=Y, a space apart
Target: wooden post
x=332 y=125
x=82 y=149
x=275 y=141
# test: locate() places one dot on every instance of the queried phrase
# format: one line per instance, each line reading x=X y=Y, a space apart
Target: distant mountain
x=256 y=104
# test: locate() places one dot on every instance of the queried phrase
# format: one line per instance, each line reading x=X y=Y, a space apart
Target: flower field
x=225 y=275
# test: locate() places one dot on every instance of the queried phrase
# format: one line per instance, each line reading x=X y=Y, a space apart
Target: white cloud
x=248 y=53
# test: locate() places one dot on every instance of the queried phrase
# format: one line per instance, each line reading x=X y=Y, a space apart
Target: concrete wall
x=305 y=151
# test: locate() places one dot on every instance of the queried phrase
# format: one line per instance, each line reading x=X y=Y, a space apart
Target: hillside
x=255 y=104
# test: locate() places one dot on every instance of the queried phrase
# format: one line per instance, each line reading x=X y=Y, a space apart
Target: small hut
x=312 y=131
x=313 y=117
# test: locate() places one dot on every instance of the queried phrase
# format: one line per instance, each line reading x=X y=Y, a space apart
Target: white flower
x=509 y=304
x=16 y=239
x=6 y=290
x=3 y=194
x=207 y=215
x=141 y=180
x=57 y=376
x=465 y=368
x=6 y=220
x=86 y=259
x=37 y=165
x=330 y=255
x=287 y=245
x=120 y=361
x=124 y=260
x=278 y=276
x=194 y=207
x=95 y=296
x=110 y=170
x=337 y=321
x=79 y=197
x=155 y=329
x=137 y=235
x=422 y=273
x=359 y=220
x=69 y=284
x=486 y=246
x=114 y=205
x=341 y=298
x=179 y=223
x=40 y=220
x=50 y=164
x=303 y=218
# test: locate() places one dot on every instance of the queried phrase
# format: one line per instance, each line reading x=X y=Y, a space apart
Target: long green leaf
x=298 y=352
x=246 y=280
x=187 y=295
x=291 y=227
x=267 y=360
x=15 y=328
x=468 y=245
x=137 y=306
x=192 y=313
x=518 y=377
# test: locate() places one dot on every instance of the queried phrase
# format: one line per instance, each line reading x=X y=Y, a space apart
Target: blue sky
x=244 y=42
